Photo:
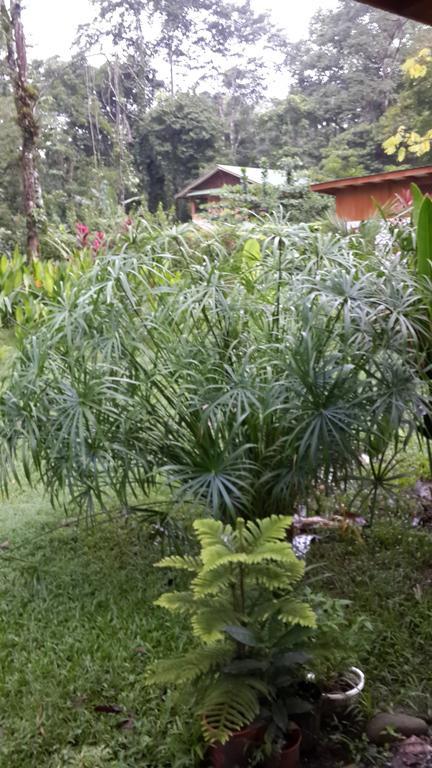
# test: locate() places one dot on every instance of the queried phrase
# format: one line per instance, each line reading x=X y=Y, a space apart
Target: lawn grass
x=388 y=579
x=78 y=628
x=75 y=607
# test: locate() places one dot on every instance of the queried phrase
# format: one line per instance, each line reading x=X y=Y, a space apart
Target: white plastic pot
x=338 y=701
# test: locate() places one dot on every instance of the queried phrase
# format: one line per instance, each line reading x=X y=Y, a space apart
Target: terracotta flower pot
x=236 y=751
x=289 y=757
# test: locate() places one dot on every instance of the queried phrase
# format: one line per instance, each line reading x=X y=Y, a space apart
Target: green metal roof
x=201 y=192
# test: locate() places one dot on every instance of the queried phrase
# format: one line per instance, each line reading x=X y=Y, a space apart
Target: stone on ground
x=387 y=727
x=413 y=753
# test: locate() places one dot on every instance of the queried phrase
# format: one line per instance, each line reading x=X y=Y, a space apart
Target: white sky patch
x=51 y=25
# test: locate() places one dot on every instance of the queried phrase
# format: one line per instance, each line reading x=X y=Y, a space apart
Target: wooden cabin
x=206 y=189
x=357 y=197
x=419 y=10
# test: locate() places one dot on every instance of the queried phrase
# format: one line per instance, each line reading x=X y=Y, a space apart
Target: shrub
x=246 y=618
x=234 y=369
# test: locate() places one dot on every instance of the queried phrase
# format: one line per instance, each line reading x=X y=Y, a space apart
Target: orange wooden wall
x=357 y=203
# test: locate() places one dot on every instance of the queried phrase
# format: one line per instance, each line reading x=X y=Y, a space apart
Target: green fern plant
x=246 y=618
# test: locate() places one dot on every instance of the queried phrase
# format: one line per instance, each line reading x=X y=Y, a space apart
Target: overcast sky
x=51 y=24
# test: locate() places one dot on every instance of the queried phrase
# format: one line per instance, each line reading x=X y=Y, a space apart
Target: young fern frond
x=272 y=552
x=182 y=602
x=212 y=583
x=208 y=622
x=211 y=532
x=229 y=705
x=295 y=613
x=268 y=530
x=279 y=575
x=221 y=557
x=243 y=612
x=190 y=667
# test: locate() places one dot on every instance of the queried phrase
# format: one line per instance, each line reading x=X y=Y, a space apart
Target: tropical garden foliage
x=231 y=376
x=198 y=393
x=127 y=129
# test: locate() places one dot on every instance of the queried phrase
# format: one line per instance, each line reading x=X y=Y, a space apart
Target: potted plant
x=336 y=644
x=249 y=627
x=286 y=748
x=281 y=748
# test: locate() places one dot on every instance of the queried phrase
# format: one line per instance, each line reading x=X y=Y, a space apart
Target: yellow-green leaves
x=251 y=251
x=295 y=613
x=175 y=601
x=181 y=563
x=405 y=141
x=392 y=144
x=269 y=529
x=236 y=575
x=189 y=666
x=401 y=155
x=417 y=66
x=228 y=706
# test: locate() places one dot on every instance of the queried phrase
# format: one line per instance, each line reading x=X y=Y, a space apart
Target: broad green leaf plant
x=422 y=222
x=247 y=621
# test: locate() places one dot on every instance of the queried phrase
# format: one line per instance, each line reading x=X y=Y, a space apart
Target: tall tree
x=181 y=135
x=289 y=128
x=205 y=34
x=349 y=67
x=11 y=223
x=241 y=89
x=180 y=27
x=25 y=96
x=78 y=134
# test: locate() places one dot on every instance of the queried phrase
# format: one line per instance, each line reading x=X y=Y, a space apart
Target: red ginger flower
x=82 y=232
x=98 y=241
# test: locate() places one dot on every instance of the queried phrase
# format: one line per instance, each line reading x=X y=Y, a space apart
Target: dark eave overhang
x=418 y=10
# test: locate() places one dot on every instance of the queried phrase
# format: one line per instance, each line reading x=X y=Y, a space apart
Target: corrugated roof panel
x=255 y=175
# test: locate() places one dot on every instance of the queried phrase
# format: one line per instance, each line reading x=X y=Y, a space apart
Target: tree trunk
x=25 y=97
x=171 y=66
x=119 y=132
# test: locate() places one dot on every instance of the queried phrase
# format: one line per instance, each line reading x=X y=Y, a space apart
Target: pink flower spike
x=81 y=229
x=82 y=232
x=98 y=241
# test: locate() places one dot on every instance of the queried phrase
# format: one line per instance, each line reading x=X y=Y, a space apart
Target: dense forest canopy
x=184 y=83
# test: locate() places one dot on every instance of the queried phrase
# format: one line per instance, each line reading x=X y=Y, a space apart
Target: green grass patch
x=388 y=579
x=77 y=630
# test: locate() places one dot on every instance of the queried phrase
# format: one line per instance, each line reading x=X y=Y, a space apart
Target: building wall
x=195 y=203
x=357 y=203
x=219 y=179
